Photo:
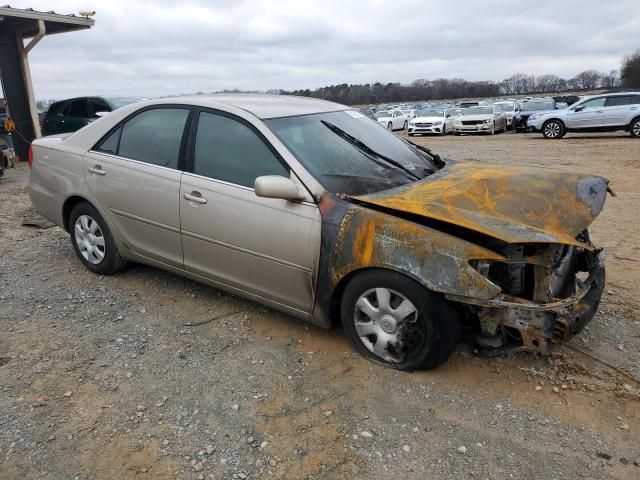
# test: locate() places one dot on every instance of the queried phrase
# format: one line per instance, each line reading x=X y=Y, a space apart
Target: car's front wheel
x=92 y=240
x=406 y=125
x=390 y=126
x=634 y=128
x=553 y=129
x=394 y=320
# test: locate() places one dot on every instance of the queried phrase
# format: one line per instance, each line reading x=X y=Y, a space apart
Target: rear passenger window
x=619 y=101
x=228 y=150
x=110 y=144
x=153 y=136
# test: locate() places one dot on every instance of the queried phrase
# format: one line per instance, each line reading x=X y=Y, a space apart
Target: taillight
x=30 y=156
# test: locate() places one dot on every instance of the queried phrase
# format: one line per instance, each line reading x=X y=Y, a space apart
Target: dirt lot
x=100 y=377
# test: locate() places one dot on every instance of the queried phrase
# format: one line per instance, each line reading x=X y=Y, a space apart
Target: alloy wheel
x=90 y=239
x=387 y=324
x=635 y=129
x=552 y=130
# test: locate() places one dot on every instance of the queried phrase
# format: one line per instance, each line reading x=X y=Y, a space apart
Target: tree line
x=449 y=88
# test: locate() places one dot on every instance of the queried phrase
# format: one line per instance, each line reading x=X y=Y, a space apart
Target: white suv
x=600 y=113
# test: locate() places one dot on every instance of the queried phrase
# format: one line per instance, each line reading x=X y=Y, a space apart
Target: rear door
x=589 y=114
x=52 y=118
x=135 y=172
x=262 y=246
x=619 y=110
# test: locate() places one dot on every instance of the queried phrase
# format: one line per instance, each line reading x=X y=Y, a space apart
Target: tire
x=406 y=125
x=444 y=130
x=553 y=129
x=434 y=328
x=634 y=127
x=92 y=240
x=493 y=129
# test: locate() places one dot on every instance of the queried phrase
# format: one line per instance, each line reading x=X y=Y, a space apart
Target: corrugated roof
x=25 y=19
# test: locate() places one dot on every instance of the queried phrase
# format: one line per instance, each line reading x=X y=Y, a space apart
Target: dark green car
x=74 y=113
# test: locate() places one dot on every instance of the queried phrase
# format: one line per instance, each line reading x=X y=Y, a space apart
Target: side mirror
x=449 y=115
x=101 y=114
x=579 y=108
x=276 y=186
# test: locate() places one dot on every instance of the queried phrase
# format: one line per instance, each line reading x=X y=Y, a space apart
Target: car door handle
x=195 y=197
x=97 y=170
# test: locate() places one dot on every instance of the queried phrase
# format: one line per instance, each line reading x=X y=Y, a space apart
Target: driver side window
x=594 y=103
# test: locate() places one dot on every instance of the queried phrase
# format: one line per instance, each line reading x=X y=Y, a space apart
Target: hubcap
x=552 y=130
x=636 y=129
x=387 y=324
x=89 y=239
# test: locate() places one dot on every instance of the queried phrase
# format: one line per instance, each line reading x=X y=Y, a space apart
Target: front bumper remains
x=541 y=325
x=425 y=128
x=479 y=128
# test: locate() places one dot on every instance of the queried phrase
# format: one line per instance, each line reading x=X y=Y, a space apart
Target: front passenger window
x=230 y=151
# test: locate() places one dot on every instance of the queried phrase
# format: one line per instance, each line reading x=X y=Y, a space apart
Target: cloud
x=162 y=47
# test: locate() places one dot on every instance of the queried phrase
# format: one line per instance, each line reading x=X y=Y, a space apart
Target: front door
x=74 y=116
x=262 y=246
x=589 y=114
x=134 y=173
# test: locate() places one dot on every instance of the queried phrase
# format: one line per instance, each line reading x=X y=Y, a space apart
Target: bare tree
x=630 y=72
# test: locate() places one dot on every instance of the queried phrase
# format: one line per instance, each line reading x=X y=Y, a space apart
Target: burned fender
x=355 y=237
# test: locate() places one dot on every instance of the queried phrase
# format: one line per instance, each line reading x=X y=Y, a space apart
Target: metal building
x=16 y=26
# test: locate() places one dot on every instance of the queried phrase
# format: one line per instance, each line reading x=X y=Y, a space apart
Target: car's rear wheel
x=634 y=128
x=393 y=320
x=406 y=125
x=92 y=240
x=553 y=129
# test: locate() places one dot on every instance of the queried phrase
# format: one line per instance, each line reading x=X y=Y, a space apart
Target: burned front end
x=548 y=294
x=533 y=278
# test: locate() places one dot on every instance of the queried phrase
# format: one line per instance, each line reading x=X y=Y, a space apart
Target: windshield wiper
x=434 y=157
x=365 y=148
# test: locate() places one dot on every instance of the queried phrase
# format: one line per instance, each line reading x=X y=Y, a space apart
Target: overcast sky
x=169 y=47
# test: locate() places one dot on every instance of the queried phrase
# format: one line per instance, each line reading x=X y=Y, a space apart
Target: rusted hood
x=511 y=203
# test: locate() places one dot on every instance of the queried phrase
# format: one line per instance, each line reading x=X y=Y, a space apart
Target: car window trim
x=139 y=162
x=191 y=144
x=183 y=142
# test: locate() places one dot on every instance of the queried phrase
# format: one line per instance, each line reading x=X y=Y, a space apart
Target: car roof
x=261 y=105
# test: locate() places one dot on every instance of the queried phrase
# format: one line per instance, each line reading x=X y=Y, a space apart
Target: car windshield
x=117 y=102
x=383 y=114
x=478 y=111
x=338 y=163
x=533 y=106
x=505 y=107
x=431 y=113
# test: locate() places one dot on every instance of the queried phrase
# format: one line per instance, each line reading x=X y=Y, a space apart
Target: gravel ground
x=109 y=377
